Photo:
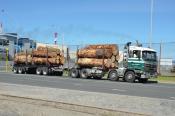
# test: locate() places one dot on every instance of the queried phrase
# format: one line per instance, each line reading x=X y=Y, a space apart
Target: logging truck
x=44 y=60
x=133 y=63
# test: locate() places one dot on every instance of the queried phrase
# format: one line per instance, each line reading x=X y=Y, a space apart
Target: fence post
x=68 y=57
x=77 y=54
x=6 y=64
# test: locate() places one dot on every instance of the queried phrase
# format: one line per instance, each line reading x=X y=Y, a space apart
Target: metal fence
x=165 y=57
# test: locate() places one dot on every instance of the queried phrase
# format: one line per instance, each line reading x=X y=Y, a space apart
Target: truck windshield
x=149 y=55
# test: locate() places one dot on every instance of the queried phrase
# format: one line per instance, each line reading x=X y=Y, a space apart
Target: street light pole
x=17 y=37
x=63 y=43
x=151 y=24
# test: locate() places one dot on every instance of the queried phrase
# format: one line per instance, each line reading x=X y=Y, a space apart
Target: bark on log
x=115 y=53
x=22 y=59
x=92 y=62
x=50 y=49
x=95 y=53
x=114 y=47
x=37 y=60
x=44 y=54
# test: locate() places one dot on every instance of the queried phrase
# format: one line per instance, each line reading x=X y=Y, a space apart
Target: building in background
x=26 y=44
x=9 y=41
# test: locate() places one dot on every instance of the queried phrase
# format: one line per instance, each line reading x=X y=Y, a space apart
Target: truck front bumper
x=148 y=75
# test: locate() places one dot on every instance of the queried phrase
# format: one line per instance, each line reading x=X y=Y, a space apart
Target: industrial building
x=11 y=42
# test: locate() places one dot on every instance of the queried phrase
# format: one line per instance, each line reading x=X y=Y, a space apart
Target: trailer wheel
x=15 y=70
x=113 y=75
x=38 y=71
x=130 y=76
x=74 y=73
x=45 y=71
x=20 y=70
x=84 y=74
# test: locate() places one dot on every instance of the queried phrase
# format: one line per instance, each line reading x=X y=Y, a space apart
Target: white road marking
x=122 y=90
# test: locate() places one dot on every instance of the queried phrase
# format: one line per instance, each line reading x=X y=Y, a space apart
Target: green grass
x=165 y=79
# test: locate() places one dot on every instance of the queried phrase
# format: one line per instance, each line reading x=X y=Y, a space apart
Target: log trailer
x=39 y=62
x=137 y=63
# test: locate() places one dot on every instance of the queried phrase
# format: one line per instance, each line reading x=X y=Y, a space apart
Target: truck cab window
x=135 y=54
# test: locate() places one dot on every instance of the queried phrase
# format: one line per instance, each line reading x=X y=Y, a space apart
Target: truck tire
x=83 y=74
x=38 y=71
x=113 y=75
x=74 y=73
x=15 y=70
x=20 y=70
x=143 y=80
x=130 y=76
x=45 y=71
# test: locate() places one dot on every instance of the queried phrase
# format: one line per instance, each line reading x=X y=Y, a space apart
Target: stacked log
x=50 y=49
x=95 y=53
x=22 y=58
x=42 y=55
x=99 y=55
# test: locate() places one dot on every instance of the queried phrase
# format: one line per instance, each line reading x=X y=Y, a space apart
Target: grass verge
x=165 y=79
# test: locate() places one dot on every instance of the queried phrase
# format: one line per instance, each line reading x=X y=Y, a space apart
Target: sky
x=89 y=21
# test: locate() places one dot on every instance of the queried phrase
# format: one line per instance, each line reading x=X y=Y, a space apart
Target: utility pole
x=1 y=28
x=17 y=37
x=63 y=43
x=151 y=24
x=1 y=23
x=160 y=57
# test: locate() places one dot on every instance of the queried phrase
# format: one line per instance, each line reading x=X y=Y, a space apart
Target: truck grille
x=150 y=67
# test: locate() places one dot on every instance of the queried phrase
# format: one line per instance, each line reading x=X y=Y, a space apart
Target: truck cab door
x=134 y=61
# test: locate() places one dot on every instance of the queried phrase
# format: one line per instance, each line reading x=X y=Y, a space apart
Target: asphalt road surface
x=151 y=89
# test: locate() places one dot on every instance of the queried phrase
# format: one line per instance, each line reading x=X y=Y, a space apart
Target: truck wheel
x=74 y=73
x=84 y=74
x=38 y=71
x=113 y=75
x=45 y=71
x=130 y=76
x=15 y=70
x=20 y=70
x=143 y=80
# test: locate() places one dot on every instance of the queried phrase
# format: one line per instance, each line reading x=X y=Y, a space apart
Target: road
x=152 y=89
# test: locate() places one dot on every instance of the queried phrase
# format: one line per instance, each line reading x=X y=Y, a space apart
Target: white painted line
x=119 y=90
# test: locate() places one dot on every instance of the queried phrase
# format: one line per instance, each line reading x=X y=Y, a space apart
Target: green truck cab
x=138 y=63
